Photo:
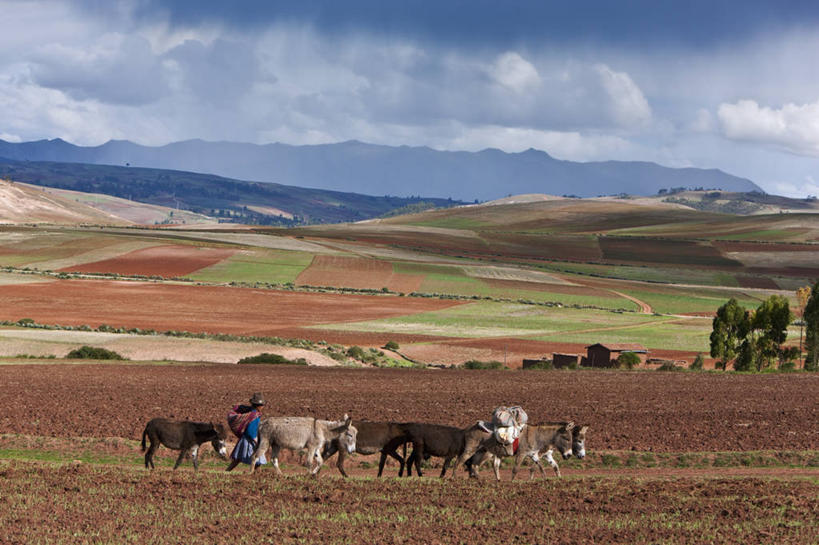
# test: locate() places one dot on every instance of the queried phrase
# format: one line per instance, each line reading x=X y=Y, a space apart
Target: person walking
x=244 y=423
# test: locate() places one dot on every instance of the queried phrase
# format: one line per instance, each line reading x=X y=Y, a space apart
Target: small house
x=561 y=361
x=605 y=355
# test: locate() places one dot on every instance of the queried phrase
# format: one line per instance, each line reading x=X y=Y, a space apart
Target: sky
x=722 y=84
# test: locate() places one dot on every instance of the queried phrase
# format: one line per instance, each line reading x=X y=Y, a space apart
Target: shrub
x=669 y=366
x=627 y=360
x=477 y=364
x=391 y=345
x=356 y=352
x=92 y=353
x=272 y=359
x=698 y=363
x=542 y=364
x=25 y=321
x=787 y=366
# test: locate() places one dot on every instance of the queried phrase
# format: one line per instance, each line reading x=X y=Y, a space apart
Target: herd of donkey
x=508 y=434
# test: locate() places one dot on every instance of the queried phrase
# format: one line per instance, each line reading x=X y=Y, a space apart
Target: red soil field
x=643 y=411
x=166 y=261
x=355 y=272
x=212 y=309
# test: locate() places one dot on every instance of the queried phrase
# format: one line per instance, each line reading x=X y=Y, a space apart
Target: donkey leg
x=181 y=457
x=552 y=462
x=518 y=461
x=195 y=456
x=342 y=456
x=149 y=454
x=315 y=458
x=496 y=462
x=261 y=447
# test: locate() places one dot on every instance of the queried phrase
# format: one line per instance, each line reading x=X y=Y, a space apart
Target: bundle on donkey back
x=372 y=437
x=303 y=432
x=445 y=442
x=565 y=437
x=183 y=436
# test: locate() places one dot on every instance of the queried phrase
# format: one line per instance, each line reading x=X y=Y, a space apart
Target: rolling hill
x=223 y=198
x=384 y=170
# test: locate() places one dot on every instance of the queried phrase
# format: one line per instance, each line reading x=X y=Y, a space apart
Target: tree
x=628 y=360
x=811 y=318
x=730 y=327
x=769 y=329
x=802 y=296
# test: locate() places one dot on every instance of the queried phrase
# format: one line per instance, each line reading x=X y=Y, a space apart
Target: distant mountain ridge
x=385 y=170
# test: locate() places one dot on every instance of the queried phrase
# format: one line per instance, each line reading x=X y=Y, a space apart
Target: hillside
x=20 y=203
x=384 y=170
x=205 y=194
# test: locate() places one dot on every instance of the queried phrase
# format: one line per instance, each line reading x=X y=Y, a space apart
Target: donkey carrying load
x=303 y=432
x=564 y=437
x=183 y=436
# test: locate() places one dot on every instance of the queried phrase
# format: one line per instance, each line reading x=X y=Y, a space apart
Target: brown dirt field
x=86 y=504
x=356 y=272
x=757 y=282
x=167 y=261
x=212 y=309
x=642 y=411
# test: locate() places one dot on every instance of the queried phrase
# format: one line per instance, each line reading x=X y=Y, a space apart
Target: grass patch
x=275 y=267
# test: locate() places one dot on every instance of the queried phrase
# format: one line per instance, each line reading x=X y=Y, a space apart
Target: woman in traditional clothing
x=244 y=423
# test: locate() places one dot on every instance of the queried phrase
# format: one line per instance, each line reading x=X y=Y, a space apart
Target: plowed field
x=660 y=412
x=165 y=261
x=74 y=502
x=196 y=308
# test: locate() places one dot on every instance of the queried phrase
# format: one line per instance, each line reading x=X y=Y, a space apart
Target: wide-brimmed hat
x=257 y=399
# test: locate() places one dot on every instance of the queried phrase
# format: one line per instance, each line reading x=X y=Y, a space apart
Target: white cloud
x=628 y=104
x=703 y=121
x=513 y=71
x=792 y=127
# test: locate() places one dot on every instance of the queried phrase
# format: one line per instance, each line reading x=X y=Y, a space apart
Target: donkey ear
x=347 y=420
x=569 y=426
x=584 y=429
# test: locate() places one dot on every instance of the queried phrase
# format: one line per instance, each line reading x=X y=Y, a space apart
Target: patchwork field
x=673 y=457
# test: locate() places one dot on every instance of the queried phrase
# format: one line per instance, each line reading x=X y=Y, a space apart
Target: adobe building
x=605 y=355
x=562 y=361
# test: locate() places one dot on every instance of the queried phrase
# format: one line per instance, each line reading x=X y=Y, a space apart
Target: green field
x=490 y=319
x=271 y=266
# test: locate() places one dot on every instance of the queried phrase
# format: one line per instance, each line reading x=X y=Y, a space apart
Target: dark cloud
x=510 y=23
x=113 y=70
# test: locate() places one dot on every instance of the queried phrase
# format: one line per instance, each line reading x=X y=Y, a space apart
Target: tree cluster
x=753 y=339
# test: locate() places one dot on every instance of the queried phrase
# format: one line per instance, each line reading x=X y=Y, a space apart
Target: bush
x=356 y=352
x=542 y=365
x=391 y=345
x=698 y=363
x=92 y=353
x=627 y=360
x=787 y=366
x=272 y=359
x=477 y=364
x=669 y=366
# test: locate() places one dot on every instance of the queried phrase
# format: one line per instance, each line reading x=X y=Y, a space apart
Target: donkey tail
x=144 y=434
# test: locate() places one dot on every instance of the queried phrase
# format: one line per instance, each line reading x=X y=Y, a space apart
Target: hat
x=257 y=400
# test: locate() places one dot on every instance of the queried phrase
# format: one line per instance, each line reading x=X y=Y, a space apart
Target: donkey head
x=346 y=434
x=563 y=440
x=579 y=441
x=218 y=442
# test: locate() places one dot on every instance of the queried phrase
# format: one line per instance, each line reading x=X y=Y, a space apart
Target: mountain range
x=385 y=170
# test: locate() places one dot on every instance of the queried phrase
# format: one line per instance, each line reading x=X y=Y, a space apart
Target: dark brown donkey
x=383 y=437
x=445 y=442
x=183 y=436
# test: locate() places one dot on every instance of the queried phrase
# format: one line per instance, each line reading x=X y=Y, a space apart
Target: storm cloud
x=713 y=86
